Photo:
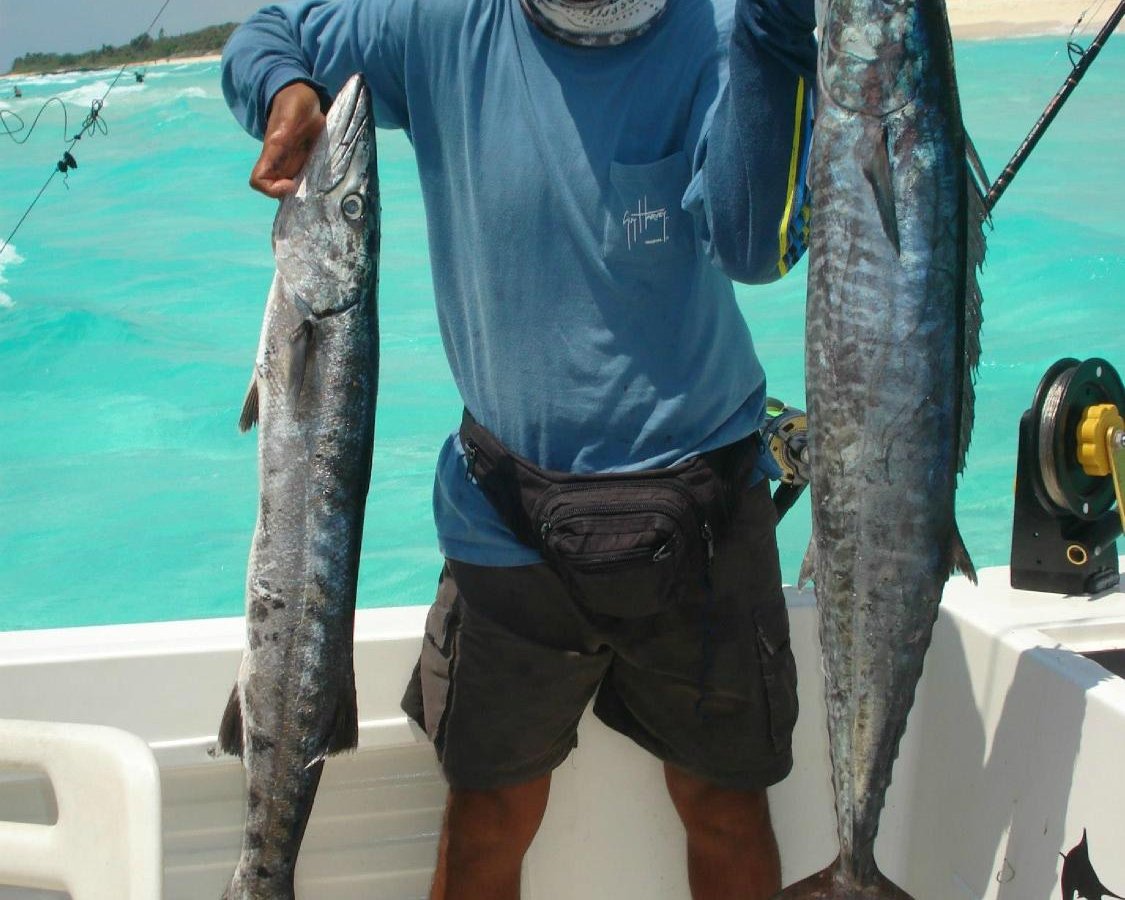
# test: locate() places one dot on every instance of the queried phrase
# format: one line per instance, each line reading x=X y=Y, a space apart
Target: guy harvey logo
x=645 y=226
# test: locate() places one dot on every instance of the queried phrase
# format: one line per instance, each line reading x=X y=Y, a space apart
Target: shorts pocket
x=646 y=225
x=437 y=661
x=779 y=674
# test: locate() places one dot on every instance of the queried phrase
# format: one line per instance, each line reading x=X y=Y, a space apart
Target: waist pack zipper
x=471 y=451
x=662 y=552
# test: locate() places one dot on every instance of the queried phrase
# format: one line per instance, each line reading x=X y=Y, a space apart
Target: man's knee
x=709 y=809
x=505 y=818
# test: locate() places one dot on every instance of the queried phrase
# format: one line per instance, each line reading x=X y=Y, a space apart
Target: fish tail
x=836 y=883
x=230 y=729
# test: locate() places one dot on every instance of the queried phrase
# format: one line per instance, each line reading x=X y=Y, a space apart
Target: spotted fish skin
x=313 y=397
x=892 y=339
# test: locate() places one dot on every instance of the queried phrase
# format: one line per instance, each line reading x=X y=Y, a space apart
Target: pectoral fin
x=300 y=350
x=877 y=171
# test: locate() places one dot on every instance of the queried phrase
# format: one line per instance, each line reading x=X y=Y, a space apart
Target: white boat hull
x=1012 y=749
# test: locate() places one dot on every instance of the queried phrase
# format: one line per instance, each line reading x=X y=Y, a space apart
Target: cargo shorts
x=510 y=660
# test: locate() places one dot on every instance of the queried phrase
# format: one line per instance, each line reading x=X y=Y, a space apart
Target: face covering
x=594 y=23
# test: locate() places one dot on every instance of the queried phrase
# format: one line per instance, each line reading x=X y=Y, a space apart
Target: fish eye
x=352 y=206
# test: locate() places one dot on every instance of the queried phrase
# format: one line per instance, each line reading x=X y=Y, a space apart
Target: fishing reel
x=786 y=435
x=1069 y=471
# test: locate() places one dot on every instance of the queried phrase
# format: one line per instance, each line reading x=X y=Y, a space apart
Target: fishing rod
x=1085 y=59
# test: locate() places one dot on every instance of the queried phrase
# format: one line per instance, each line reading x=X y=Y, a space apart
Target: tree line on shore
x=143 y=47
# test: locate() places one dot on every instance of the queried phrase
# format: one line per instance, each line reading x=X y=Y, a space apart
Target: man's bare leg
x=732 y=852
x=484 y=837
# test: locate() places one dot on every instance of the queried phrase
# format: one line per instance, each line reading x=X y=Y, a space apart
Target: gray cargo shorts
x=510 y=661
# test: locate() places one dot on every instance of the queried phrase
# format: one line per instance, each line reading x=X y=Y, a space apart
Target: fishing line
x=6 y=115
x=92 y=123
x=1074 y=49
x=1081 y=60
x=1090 y=12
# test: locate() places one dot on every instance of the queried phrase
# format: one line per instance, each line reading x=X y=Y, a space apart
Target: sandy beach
x=1021 y=18
x=145 y=64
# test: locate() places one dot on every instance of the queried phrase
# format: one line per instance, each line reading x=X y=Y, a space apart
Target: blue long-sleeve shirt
x=586 y=210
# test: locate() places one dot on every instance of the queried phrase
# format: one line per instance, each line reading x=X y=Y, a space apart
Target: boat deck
x=1011 y=751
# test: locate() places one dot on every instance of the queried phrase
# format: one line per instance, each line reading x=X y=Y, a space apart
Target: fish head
x=326 y=233
x=872 y=52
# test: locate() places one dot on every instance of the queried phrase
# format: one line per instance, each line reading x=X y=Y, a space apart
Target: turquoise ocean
x=131 y=300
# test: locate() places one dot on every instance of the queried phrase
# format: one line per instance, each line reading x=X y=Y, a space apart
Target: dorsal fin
x=976 y=213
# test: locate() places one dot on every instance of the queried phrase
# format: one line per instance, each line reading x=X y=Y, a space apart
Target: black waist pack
x=627 y=543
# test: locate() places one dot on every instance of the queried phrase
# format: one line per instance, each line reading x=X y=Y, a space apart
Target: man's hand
x=294 y=124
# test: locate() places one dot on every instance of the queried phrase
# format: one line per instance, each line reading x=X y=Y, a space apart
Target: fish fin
x=345 y=731
x=877 y=171
x=345 y=727
x=249 y=417
x=808 y=567
x=959 y=557
x=230 y=729
x=981 y=181
x=300 y=347
x=972 y=318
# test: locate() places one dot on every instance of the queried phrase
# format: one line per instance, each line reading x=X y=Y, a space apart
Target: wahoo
x=312 y=396
x=892 y=342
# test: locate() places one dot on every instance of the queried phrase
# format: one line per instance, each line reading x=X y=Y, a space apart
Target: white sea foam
x=96 y=90
x=192 y=92
x=56 y=79
x=9 y=257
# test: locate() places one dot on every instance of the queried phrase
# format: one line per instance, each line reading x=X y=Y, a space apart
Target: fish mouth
x=347 y=124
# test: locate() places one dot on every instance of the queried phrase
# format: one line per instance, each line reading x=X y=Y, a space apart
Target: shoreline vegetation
x=968 y=20
x=140 y=51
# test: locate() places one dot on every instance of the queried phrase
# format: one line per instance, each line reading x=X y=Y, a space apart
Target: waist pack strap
x=513 y=484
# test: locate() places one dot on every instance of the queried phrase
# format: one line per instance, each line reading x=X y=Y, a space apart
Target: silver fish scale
x=885 y=372
x=315 y=466
x=313 y=396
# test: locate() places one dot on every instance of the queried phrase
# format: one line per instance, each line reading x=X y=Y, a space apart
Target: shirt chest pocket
x=645 y=224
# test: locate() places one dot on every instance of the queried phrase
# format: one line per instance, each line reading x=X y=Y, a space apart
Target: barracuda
x=892 y=340
x=312 y=396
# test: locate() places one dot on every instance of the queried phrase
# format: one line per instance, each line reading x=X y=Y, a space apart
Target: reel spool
x=786 y=435
x=1069 y=472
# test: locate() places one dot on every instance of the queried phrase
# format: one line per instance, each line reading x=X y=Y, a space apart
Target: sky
x=69 y=26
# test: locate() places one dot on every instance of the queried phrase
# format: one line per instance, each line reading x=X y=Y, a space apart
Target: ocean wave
x=190 y=92
x=9 y=257
x=60 y=78
x=96 y=90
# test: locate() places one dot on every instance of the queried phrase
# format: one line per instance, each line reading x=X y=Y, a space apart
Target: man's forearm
x=754 y=187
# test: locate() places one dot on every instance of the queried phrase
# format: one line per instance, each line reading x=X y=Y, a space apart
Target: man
x=594 y=173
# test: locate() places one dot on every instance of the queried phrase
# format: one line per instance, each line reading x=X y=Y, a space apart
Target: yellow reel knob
x=1098 y=424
